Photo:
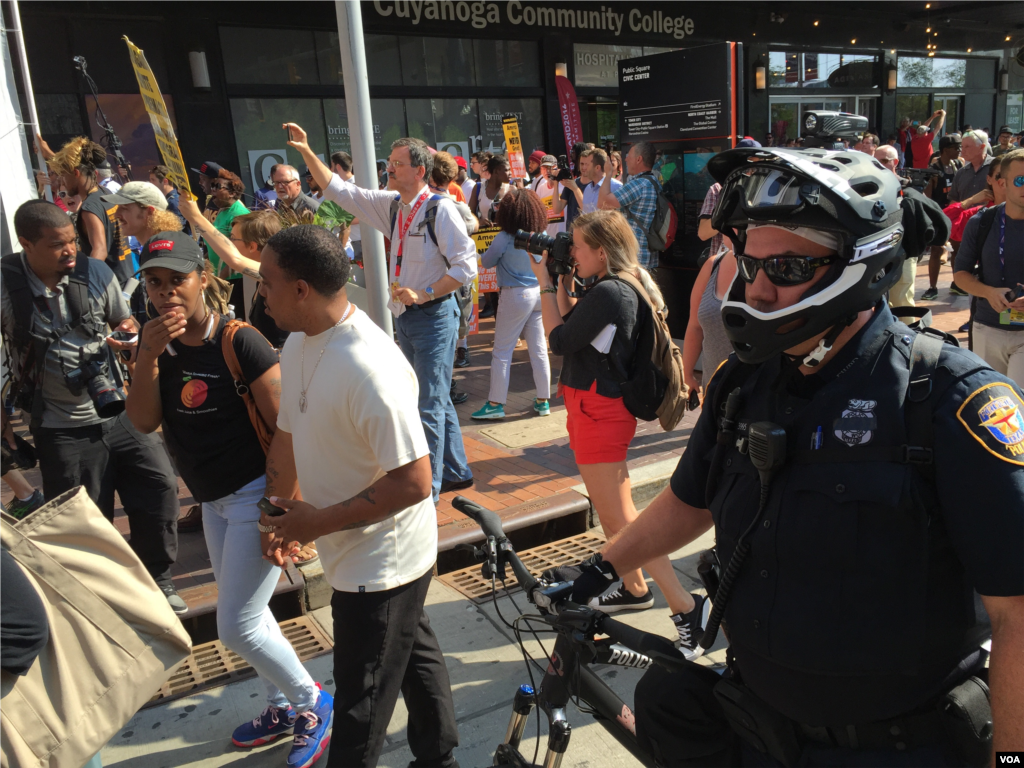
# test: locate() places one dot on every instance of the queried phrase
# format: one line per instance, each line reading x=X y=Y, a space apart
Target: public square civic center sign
x=610 y=17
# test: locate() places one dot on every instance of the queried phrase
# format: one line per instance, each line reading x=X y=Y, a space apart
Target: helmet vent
x=843 y=160
x=827 y=166
x=736 y=321
x=865 y=188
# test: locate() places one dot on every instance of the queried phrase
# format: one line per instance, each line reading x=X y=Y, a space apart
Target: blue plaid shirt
x=640 y=198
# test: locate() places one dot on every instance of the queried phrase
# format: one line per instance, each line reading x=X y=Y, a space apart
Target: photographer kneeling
x=59 y=307
x=600 y=427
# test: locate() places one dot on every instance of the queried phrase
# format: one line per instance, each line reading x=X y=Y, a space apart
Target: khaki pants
x=1003 y=350
x=902 y=293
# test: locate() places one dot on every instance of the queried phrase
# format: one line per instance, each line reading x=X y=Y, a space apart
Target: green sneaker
x=19 y=509
x=542 y=407
x=489 y=411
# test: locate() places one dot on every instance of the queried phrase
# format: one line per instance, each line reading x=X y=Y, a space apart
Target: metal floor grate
x=472 y=584
x=211 y=664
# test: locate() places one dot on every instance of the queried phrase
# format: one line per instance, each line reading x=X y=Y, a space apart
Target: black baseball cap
x=209 y=168
x=1004 y=129
x=949 y=140
x=171 y=250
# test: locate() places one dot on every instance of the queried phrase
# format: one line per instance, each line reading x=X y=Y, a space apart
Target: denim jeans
x=427 y=336
x=245 y=584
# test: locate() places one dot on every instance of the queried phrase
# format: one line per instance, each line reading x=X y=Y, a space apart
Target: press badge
x=1011 y=317
x=394 y=290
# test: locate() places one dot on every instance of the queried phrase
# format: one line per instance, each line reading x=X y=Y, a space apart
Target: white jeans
x=519 y=311
x=1003 y=350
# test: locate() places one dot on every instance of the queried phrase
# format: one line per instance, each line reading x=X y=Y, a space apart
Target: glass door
x=952 y=106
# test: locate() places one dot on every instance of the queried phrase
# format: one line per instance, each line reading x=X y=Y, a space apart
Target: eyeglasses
x=284 y=183
x=396 y=164
x=220 y=186
x=782 y=270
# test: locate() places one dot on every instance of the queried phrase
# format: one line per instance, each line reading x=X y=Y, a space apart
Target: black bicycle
x=568 y=676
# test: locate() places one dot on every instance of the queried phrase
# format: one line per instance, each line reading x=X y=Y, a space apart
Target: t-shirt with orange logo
x=206 y=424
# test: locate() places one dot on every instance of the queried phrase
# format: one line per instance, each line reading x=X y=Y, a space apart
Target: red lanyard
x=403 y=230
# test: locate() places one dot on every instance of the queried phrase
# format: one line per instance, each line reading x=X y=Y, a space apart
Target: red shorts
x=600 y=428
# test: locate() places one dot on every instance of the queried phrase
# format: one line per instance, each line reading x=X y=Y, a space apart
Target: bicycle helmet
x=845 y=194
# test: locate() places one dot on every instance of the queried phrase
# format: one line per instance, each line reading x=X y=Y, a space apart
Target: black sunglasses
x=782 y=270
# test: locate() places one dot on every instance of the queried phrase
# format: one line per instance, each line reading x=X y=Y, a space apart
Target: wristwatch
x=265 y=528
x=429 y=290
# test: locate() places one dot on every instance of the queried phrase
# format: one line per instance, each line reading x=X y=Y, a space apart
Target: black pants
x=383 y=644
x=114 y=456
x=679 y=721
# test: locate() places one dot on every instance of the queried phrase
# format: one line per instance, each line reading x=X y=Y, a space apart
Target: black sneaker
x=930 y=294
x=455 y=485
x=19 y=509
x=462 y=358
x=174 y=599
x=956 y=290
x=458 y=398
x=690 y=627
x=618 y=598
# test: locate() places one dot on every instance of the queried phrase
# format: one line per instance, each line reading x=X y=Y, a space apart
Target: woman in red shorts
x=592 y=332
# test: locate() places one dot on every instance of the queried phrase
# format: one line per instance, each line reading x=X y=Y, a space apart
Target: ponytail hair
x=611 y=231
x=79 y=154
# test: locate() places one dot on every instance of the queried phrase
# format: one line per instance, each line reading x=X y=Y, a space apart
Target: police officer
x=862 y=480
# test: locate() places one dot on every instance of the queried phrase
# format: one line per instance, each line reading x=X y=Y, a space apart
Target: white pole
x=364 y=159
x=30 y=99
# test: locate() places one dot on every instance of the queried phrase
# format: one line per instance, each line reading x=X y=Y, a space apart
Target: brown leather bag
x=264 y=431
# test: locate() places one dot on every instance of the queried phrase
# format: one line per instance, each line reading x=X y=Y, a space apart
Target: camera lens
x=106 y=397
x=533 y=242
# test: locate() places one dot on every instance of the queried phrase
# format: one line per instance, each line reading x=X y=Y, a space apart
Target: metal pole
x=30 y=99
x=364 y=159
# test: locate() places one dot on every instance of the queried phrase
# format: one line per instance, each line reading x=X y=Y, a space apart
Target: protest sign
x=514 y=148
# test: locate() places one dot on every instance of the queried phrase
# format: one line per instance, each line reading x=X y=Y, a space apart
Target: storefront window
x=916 y=106
x=269 y=56
x=506 y=63
x=821 y=70
x=261 y=141
x=531 y=124
x=382 y=62
x=931 y=73
x=787 y=113
x=328 y=58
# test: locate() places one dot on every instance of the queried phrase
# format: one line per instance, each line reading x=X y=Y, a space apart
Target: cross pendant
x=302 y=403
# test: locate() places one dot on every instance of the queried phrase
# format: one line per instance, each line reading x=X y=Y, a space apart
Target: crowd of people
x=288 y=462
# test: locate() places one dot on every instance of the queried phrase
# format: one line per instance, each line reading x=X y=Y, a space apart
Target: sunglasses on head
x=782 y=270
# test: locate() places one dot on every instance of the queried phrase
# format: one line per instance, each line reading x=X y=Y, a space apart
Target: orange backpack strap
x=264 y=431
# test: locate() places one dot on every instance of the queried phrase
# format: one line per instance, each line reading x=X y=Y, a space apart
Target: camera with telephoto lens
x=563 y=169
x=559 y=248
x=94 y=376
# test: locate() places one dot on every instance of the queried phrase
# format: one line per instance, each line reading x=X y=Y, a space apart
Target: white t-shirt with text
x=362 y=420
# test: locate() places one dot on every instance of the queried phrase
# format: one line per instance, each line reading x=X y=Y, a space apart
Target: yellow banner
x=514 y=148
x=487 y=279
x=163 y=131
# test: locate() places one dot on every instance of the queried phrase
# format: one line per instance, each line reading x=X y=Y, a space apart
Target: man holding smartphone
x=994 y=241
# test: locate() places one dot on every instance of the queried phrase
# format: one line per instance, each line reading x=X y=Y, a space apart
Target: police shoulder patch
x=994 y=415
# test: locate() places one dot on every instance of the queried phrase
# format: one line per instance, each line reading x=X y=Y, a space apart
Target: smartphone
x=270 y=508
x=288 y=134
x=125 y=337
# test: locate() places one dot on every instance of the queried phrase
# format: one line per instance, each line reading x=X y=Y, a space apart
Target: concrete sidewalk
x=485 y=665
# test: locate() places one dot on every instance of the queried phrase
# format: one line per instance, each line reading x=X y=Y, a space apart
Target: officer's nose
x=761 y=292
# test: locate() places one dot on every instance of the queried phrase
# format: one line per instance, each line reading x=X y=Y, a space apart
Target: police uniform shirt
x=854 y=600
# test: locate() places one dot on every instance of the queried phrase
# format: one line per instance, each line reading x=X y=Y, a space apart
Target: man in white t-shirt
x=549 y=190
x=598 y=159
x=350 y=435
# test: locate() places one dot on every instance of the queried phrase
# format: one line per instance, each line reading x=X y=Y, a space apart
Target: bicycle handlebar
x=657 y=647
x=490 y=524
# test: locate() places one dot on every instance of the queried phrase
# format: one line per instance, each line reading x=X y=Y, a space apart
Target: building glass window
x=328 y=58
x=506 y=63
x=382 y=62
x=269 y=57
x=927 y=72
x=127 y=113
x=260 y=140
x=821 y=70
x=531 y=124
x=787 y=113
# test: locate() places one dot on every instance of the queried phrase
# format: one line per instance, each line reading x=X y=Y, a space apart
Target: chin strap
x=813 y=360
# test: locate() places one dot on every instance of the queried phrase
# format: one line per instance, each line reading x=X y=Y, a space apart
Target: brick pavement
x=506 y=476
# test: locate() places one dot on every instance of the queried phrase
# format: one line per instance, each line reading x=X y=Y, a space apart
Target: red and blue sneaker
x=265 y=727
x=312 y=732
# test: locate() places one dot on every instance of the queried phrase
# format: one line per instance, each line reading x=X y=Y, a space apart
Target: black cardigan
x=607 y=301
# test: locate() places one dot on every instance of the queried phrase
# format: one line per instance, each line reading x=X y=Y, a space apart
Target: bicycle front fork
x=559 y=731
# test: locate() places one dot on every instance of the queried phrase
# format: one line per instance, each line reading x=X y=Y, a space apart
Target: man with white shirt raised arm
x=431 y=257
x=349 y=438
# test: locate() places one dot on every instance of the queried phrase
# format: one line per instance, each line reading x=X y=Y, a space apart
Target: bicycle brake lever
x=477 y=552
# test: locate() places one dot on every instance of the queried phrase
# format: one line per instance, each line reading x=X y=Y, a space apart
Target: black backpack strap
x=985 y=221
x=78 y=290
x=918 y=404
